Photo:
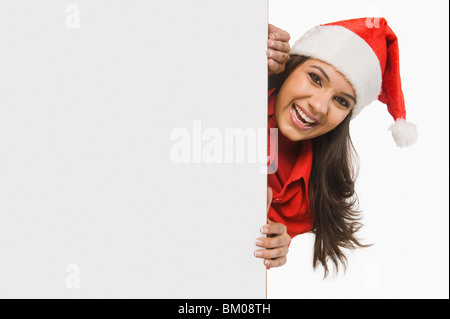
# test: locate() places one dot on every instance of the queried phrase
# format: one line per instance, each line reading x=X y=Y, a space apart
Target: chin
x=290 y=133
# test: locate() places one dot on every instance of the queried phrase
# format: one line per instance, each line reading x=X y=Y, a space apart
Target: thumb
x=269 y=197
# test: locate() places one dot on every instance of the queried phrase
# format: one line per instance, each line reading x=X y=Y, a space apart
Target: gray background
x=85 y=174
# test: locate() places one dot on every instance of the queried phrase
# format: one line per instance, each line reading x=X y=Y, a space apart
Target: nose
x=320 y=102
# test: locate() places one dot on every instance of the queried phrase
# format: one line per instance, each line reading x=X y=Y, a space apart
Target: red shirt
x=290 y=202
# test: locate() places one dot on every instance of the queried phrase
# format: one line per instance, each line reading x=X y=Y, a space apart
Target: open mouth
x=302 y=118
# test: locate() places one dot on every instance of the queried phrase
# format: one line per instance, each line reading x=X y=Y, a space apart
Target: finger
x=273 y=228
x=275 y=67
x=272 y=253
x=278 y=56
x=278 y=34
x=279 y=46
x=276 y=262
x=272 y=29
x=269 y=197
x=273 y=242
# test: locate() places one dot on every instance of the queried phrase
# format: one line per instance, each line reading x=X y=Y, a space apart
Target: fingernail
x=270 y=53
x=258 y=254
x=273 y=36
x=264 y=230
x=267 y=263
x=270 y=43
x=259 y=242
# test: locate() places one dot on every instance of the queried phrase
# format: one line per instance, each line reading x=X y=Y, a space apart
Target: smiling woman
x=333 y=72
x=328 y=182
x=313 y=100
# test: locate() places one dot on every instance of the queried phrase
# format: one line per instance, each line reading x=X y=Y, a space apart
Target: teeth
x=307 y=119
x=296 y=116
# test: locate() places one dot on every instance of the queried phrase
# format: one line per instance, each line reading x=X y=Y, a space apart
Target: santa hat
x=365 y=51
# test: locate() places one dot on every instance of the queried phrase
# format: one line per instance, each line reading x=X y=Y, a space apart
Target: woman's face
x=313 y=100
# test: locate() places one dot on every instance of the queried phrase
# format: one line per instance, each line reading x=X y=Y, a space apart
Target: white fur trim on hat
x=349 y=54
x=403 y=132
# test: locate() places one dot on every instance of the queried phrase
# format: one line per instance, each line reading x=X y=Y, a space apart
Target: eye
x=342 y=102
x=315 y=78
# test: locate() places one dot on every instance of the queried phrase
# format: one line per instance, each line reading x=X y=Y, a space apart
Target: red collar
x=272 y=102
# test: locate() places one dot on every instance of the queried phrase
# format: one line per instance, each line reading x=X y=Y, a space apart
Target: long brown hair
x=332 y=196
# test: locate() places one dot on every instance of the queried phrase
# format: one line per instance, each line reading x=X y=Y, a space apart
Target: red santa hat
x=365 y=51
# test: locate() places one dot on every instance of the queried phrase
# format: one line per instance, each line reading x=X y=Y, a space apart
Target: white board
x=95 y=97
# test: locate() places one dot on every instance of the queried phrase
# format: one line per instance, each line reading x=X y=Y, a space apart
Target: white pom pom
x=403 y=132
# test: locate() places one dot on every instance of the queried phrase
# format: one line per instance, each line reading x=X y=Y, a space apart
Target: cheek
x=295 y=86
x=336 y=118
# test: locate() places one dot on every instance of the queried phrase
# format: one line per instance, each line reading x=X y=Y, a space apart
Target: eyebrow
x=321 y=70
x=350 y=96
x=328 y=79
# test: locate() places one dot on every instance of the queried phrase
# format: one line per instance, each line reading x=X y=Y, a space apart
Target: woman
x=329 y=76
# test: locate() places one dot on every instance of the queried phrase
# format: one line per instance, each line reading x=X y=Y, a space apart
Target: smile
x=300 y=119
